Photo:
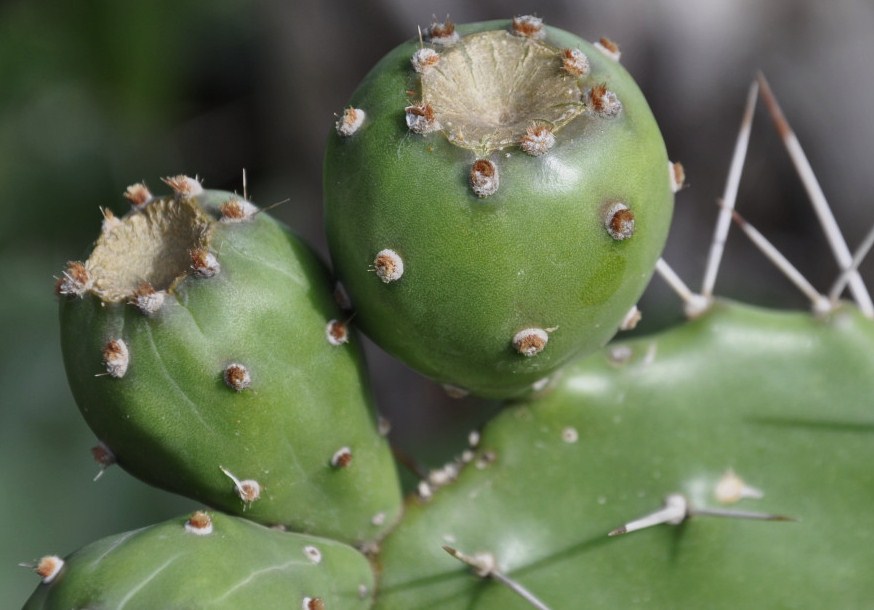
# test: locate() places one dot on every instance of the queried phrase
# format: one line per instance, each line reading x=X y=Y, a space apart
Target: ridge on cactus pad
x=496 y=198
x=741 y=411
x=209 y=560
x=204 y=348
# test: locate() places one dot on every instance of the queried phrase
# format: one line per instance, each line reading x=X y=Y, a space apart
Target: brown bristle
x=75 y=280
x=441 y=30
x=679 y=175
x=484 y=167
x=342 y=458
x=315 y=603
x=199 y=520
x=237 y=377
x=337 y=332
x=574 y=62
x=597 y=97
x=609 y=44
x=138 y=194
x=528 y=26
x=232 y=208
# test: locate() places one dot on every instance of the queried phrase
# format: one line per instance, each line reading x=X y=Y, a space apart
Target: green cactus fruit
x=208 y=560
x=496 y=199
x=743 y=410
x=204 y=348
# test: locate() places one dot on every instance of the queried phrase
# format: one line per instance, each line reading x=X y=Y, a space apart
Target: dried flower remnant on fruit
x=148 y=300
x=236 y=210
x=530 y=342
x=424 y=59
x=312 y=553
x=619 y=221
x=574 y=62
x=608 y=48
x=336 y=332
x=389 y=266
x=341 y=458
x=528 y=26
x=603 y=102
x=138 y=194
x=48 y=567
x=237 y=377
x=441 y=33
x=484 y=180
x=74 y=281
x=204 y=263
x=184 y=186
x=199 y=524
x=677 y=175
x=538 y=140
x=116 y=358
x=421 y=119
x=350 y=122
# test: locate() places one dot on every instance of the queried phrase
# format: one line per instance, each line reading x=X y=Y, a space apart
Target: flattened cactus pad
x=517 y=176
x=204 y=348
x=742 y=410
x=209 y=560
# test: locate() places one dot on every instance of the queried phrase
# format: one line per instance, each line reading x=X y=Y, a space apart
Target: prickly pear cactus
x=729 y=422
x=207 y=560
x=205 y=350
x=496 y=199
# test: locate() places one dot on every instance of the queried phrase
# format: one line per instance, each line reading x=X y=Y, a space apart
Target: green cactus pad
x=779 y=400
x=238 y=564
x=494 y=214
x=222 y=378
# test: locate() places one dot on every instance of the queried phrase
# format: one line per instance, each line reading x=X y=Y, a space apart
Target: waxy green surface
x=172 y=421
x=477 y=271
x=783 y=399
x=239 y=565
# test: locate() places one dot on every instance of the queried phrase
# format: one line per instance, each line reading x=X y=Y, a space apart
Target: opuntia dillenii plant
x=720 y=464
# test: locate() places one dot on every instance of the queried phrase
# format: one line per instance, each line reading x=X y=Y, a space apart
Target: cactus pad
x=741 y=410
x=502 y=177
x=209 y=560
x=204 y=348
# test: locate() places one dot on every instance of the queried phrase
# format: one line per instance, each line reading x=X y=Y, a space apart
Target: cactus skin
x=782 y=398
x=239 y=565
x=535 y=254
x=172 y=421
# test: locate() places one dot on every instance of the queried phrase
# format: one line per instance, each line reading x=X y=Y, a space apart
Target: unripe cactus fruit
x=490 y=163
x=740 y=414
x=195 y=343
x=208 y=560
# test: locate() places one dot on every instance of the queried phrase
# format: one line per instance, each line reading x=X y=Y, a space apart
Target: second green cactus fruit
x=496 y=199
x=204 y=348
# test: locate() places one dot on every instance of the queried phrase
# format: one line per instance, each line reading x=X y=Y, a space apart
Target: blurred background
x=98 y=94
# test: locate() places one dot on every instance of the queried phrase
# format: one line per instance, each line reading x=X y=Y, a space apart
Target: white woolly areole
x=424 y=59
x=389 y=265
x=575 y=62
x=49 y=567
x=528 y=26
x=352 y=119
x=530 y=341
x=116 y=358
x=312 y=553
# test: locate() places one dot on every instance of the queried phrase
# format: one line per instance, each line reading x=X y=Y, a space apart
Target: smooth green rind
x=534 y=254
x=781 y=398
x=239 y=565
x=172 y=421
